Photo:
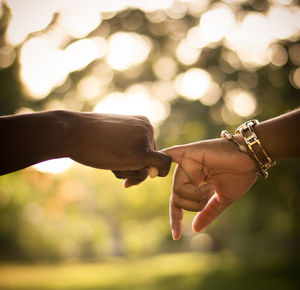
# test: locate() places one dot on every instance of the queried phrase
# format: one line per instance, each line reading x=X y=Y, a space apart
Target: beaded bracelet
x=225 y=134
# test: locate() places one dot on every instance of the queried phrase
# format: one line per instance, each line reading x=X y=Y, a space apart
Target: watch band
x=255 y=146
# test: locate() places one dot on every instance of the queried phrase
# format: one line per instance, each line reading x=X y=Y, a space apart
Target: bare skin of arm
x=226 y=172
x=123 y=144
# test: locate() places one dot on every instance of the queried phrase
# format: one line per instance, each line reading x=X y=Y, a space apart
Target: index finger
x=176 y=213
x=176 y=216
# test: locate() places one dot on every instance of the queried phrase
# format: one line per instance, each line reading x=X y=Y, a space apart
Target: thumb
x=175 y=152
x=159 y=160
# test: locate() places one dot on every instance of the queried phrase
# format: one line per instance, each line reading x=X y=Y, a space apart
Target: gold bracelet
x=255 y=146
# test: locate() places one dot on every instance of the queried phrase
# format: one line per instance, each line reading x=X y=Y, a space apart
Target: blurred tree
x=86 y=213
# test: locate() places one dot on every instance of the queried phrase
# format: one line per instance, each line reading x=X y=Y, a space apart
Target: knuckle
x=195 y=208
x=175 y=201
x=140 y=130
x=142 y=118
x=215 y=210
x=166 y=166
x=177 y=189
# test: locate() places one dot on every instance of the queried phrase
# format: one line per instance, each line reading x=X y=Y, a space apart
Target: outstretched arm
x=124 y=144
x=224 y=169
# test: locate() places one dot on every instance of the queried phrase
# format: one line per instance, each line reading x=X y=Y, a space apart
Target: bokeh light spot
x=295 y=78
x=201 y=242
x=186 y=53
x=241 y=102
x=212 y=95
x=89 y=87
x=193 y=84
x=127 y=49
x=165 y=68
x=216 y=23
x=294 y=53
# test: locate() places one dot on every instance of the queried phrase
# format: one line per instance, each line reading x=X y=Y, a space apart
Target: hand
x=123 y=144
x=221 y=166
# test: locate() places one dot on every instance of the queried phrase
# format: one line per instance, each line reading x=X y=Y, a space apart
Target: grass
x=188 y=271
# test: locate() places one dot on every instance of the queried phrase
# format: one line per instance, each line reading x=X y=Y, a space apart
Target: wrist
x=63 y=124
x=240 y=148
x=241 y=141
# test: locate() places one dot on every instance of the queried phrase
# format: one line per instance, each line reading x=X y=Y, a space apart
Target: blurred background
x=193 y=68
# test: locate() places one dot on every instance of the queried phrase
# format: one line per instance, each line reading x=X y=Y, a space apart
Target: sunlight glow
x=78 y=18
x=135 y=101
x=25 y=18
x=253 y=33
x=44 y=67
x=54 y=166
x=251 y=38
x=127 y=49
x=48 y=58
x=80 y=53
x=41 y=67
x=149 y=6
x=287 y=25
x=79 y=22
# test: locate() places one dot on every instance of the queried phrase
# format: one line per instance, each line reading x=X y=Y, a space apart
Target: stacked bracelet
x=230 y=137
x=255 y=148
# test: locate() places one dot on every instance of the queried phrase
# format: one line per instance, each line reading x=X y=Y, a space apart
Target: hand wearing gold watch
x=211 y=174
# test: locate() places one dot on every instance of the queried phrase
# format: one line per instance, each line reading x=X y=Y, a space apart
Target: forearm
x=280 y=136
x=121 y=143
x=31 y=138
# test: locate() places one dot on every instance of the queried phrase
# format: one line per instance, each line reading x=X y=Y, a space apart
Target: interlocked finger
x=134 y=174
x=188 y=204
x=192 y=192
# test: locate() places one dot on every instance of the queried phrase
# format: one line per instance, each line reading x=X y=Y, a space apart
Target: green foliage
x=86 y=214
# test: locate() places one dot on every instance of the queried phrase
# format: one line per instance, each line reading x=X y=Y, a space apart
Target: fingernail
x=173 y=235
x=153 y=172
x=125 y=184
